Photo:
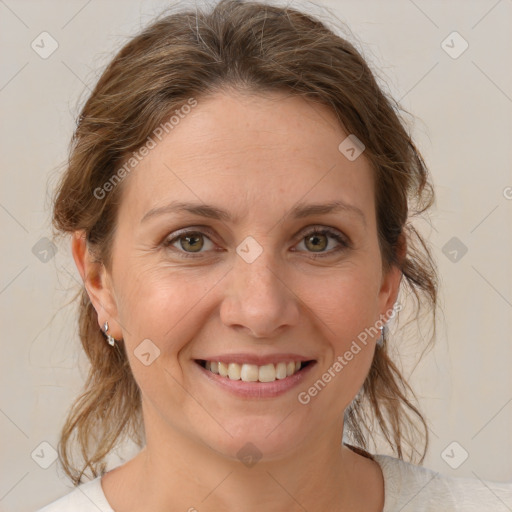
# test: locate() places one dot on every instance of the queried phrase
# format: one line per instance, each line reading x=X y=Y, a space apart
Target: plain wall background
x=462 y=123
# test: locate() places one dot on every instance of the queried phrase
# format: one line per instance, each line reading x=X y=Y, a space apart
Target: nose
x=259 y=298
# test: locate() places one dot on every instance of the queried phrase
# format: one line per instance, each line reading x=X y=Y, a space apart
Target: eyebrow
x=300 y=211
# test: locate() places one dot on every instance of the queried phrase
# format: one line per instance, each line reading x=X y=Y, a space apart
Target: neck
x=176 y=472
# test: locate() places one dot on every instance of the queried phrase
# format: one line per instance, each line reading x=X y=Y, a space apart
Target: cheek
x=157 y=314
x=346 y=300
x=347 y=308
x=162 y=304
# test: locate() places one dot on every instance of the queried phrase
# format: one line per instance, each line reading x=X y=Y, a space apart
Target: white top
x=407 y=488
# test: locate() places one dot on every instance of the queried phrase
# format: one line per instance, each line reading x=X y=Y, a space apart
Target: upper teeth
x=252 y=372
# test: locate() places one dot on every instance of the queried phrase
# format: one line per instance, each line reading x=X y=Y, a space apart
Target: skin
x=255 y=156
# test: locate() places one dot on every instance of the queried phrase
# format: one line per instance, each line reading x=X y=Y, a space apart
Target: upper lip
x=256 y=359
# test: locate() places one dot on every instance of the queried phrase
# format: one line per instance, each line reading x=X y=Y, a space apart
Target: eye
x=189 y=243
x=317 y=241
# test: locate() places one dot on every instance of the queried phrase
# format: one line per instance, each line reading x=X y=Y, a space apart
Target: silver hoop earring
x=110 y=339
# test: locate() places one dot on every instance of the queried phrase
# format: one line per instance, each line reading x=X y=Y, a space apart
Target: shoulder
x=88 y=497
x=410 y=488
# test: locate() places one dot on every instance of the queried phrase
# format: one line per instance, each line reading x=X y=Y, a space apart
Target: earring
x=110 y=339
x=382 y=339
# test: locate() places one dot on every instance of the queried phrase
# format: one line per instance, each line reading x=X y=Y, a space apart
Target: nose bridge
x=256 y=266
x=259 y=300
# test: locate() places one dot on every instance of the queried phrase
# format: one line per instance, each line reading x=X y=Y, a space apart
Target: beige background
x=462 y=122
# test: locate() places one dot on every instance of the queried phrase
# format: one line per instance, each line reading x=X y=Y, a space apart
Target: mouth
x=246 y=372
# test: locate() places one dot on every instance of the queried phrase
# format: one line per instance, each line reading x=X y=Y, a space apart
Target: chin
x=258 y=438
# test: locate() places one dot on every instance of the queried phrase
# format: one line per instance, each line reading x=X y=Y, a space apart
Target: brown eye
x=316 y=242
x=189 y=243
x=192 y=242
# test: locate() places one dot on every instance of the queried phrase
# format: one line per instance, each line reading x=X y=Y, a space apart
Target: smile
x=253 y=373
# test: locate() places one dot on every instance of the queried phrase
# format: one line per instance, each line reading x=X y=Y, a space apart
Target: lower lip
x=257 y=389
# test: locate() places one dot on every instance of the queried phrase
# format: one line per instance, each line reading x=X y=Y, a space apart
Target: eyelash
x=344 y=244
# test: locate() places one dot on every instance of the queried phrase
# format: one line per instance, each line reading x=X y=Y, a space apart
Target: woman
x=238 y=195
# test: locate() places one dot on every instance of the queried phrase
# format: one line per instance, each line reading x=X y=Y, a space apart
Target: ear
x=98 y=284
x=391 y=280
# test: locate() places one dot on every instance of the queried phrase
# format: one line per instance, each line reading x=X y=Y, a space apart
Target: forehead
x=250 y=153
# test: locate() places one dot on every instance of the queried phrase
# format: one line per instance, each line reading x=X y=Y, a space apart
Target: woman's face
x=259 y=283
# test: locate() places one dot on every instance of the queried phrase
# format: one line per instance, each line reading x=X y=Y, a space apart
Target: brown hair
x=253 y=47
